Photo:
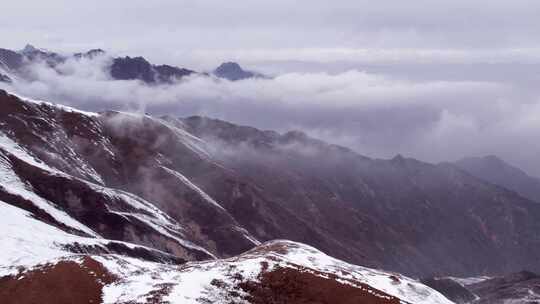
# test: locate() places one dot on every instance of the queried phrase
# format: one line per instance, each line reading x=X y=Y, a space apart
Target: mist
x=376 y=113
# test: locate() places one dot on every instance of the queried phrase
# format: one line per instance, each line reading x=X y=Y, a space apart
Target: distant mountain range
x=121 y=68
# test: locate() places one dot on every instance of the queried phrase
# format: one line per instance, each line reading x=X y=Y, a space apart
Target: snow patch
x=193 y=187
x=54 y=105
x=11 y=183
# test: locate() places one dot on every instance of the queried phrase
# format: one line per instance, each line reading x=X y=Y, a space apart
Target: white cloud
x=378 y=115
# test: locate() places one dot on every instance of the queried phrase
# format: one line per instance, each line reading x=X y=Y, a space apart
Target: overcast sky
x=436 y=80
x=195 y=32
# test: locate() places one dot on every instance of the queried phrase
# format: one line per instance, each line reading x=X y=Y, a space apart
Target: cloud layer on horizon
x=200 y=34
x=378 y=115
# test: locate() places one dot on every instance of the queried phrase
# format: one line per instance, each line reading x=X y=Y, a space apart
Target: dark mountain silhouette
x=123 y=68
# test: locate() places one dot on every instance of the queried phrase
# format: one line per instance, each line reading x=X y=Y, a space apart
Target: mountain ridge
x=495 y=170
x=358 y=209
x=120 y=68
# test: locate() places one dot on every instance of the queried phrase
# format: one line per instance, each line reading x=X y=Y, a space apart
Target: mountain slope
x=407 y=215
x=85 y=164
x=198 y=188
x=498 y=172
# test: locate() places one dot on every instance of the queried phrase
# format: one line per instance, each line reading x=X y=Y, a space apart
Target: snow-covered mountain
x=70 y=236
x=156 y=209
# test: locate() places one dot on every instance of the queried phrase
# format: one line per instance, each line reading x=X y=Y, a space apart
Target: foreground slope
x=38 y=263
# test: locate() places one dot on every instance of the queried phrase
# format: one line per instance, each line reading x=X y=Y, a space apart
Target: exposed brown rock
x=293 y=286
x=66 y=282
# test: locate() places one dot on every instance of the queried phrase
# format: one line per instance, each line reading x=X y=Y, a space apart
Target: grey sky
x=195 y=32
x=436 y=80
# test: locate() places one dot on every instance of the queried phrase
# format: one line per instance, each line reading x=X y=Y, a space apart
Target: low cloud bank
x=377 y=115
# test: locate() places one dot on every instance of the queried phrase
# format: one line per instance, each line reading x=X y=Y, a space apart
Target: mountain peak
x=230 y=65
x=398 y=157
x=29 y=48
x=233 y=71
